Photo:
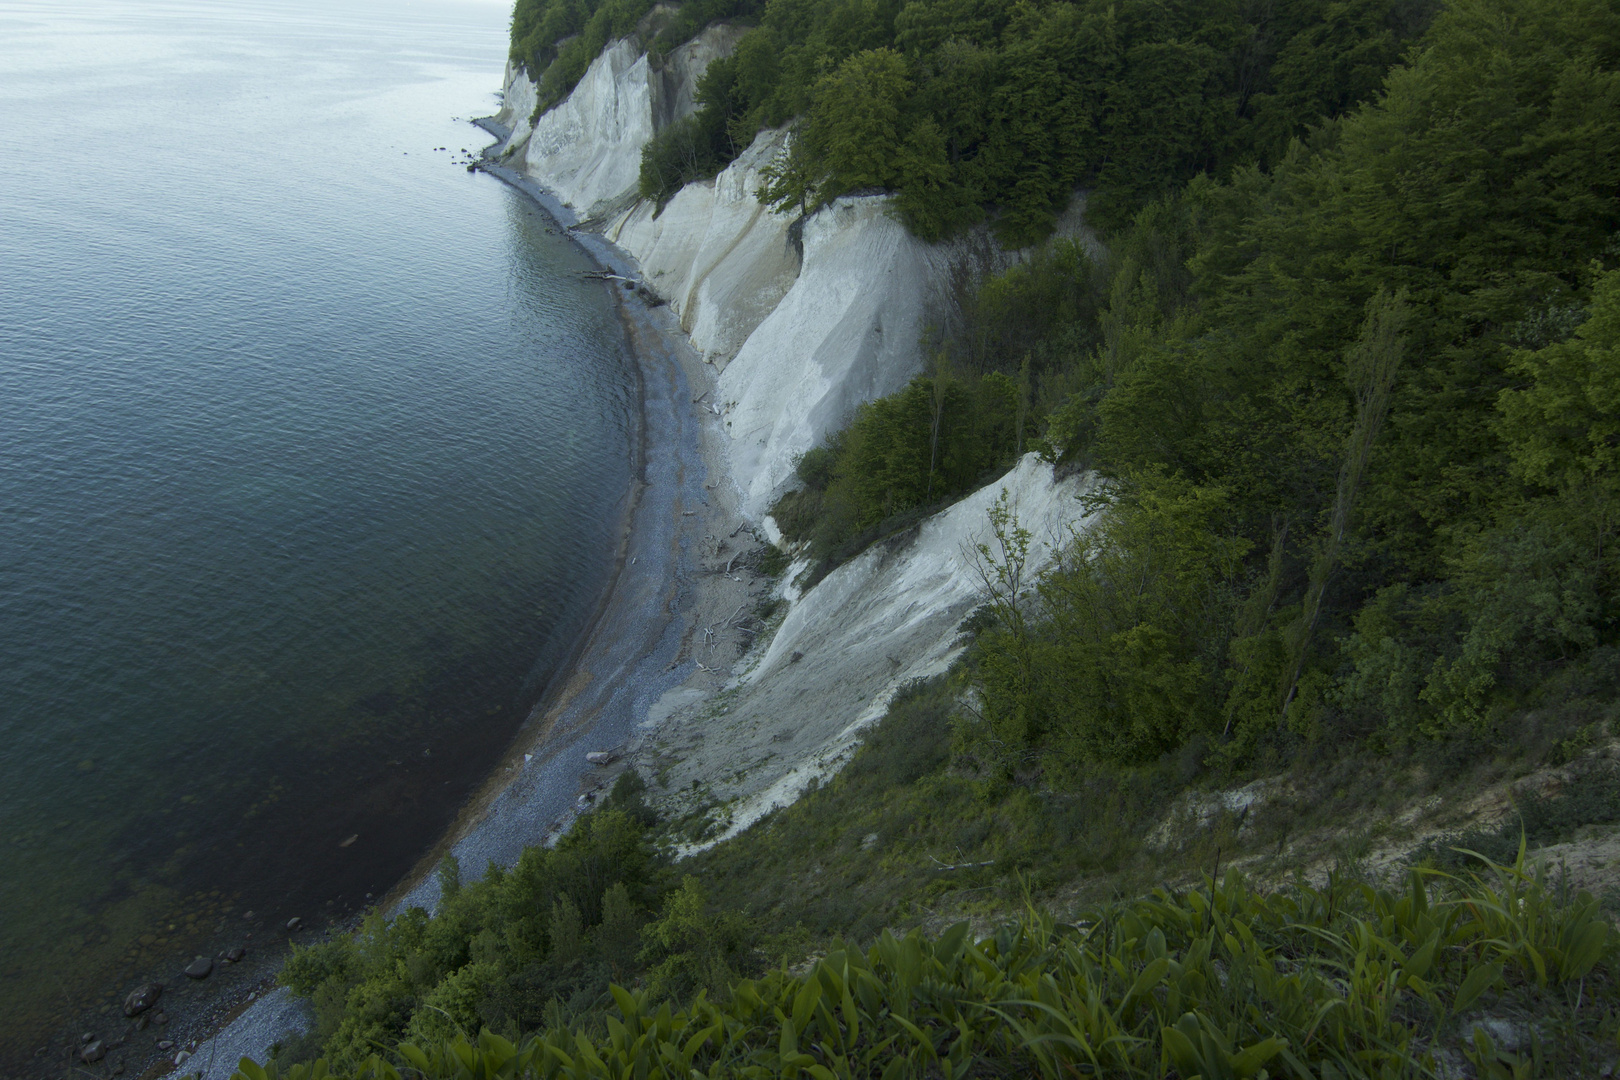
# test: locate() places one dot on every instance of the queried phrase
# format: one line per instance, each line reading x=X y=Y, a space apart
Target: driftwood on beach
x=608 y=275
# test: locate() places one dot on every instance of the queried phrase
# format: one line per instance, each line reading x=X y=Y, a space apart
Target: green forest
x=1357 y=412
x=1346 y=371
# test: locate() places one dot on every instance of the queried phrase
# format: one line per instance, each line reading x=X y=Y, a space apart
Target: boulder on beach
x=141 y=998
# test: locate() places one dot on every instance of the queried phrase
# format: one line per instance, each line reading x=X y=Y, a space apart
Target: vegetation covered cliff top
x=993 y=108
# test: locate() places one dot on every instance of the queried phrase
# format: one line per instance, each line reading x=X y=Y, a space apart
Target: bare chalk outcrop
x=722 y=260
x=887 y=618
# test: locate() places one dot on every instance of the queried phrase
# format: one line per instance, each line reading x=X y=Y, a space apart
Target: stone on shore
x=200 y=968
x=141 y=998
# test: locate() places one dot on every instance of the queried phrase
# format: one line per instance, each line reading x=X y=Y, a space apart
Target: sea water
x=313 y=447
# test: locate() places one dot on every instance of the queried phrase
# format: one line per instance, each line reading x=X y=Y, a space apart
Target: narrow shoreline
x=636 y=646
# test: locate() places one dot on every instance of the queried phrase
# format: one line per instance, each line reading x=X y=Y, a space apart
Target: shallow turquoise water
x=312 y=447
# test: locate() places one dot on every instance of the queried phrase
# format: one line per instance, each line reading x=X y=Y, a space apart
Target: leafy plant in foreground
x=1221 y=981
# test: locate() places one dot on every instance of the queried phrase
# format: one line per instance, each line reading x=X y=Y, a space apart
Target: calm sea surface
x=312 y=450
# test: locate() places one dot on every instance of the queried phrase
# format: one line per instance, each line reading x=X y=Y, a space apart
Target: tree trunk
x=1372 y=365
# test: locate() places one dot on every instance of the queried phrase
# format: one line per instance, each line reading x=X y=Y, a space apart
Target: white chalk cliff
x=848 y=331
x=802 y=329
x=587 y=149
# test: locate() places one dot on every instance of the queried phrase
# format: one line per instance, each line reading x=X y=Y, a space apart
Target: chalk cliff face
x=801 y=338
x=587 y=149
x=847 y=331
x=519 y=96
x=721 y=258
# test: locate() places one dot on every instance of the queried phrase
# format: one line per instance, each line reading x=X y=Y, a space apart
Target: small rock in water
x=141 y=1022
x=165 y=1044
x=118 y=1067
x=294 y=923
x=235 y=955
x=141 y=998
x=180 y=1058
x=93 y=1051
x=200 y=968
x=350 y=840
x=87 y=1036
x=160 y=1018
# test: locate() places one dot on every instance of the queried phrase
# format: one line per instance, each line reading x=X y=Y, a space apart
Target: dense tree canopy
x=1002 y=109
x=1358 y=401
x=1390 y=357
x=975 y=109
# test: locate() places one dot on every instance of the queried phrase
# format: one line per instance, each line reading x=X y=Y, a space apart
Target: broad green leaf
x=1248 y=1061
x=1477 y=982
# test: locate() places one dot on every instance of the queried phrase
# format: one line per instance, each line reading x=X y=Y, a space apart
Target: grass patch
x=900 y=836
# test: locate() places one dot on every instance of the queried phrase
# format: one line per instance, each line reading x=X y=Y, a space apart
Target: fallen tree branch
x=960 y=866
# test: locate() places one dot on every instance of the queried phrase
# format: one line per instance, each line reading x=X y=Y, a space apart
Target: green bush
x=499 y=951
x=1121 y=663
x=939 y=437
